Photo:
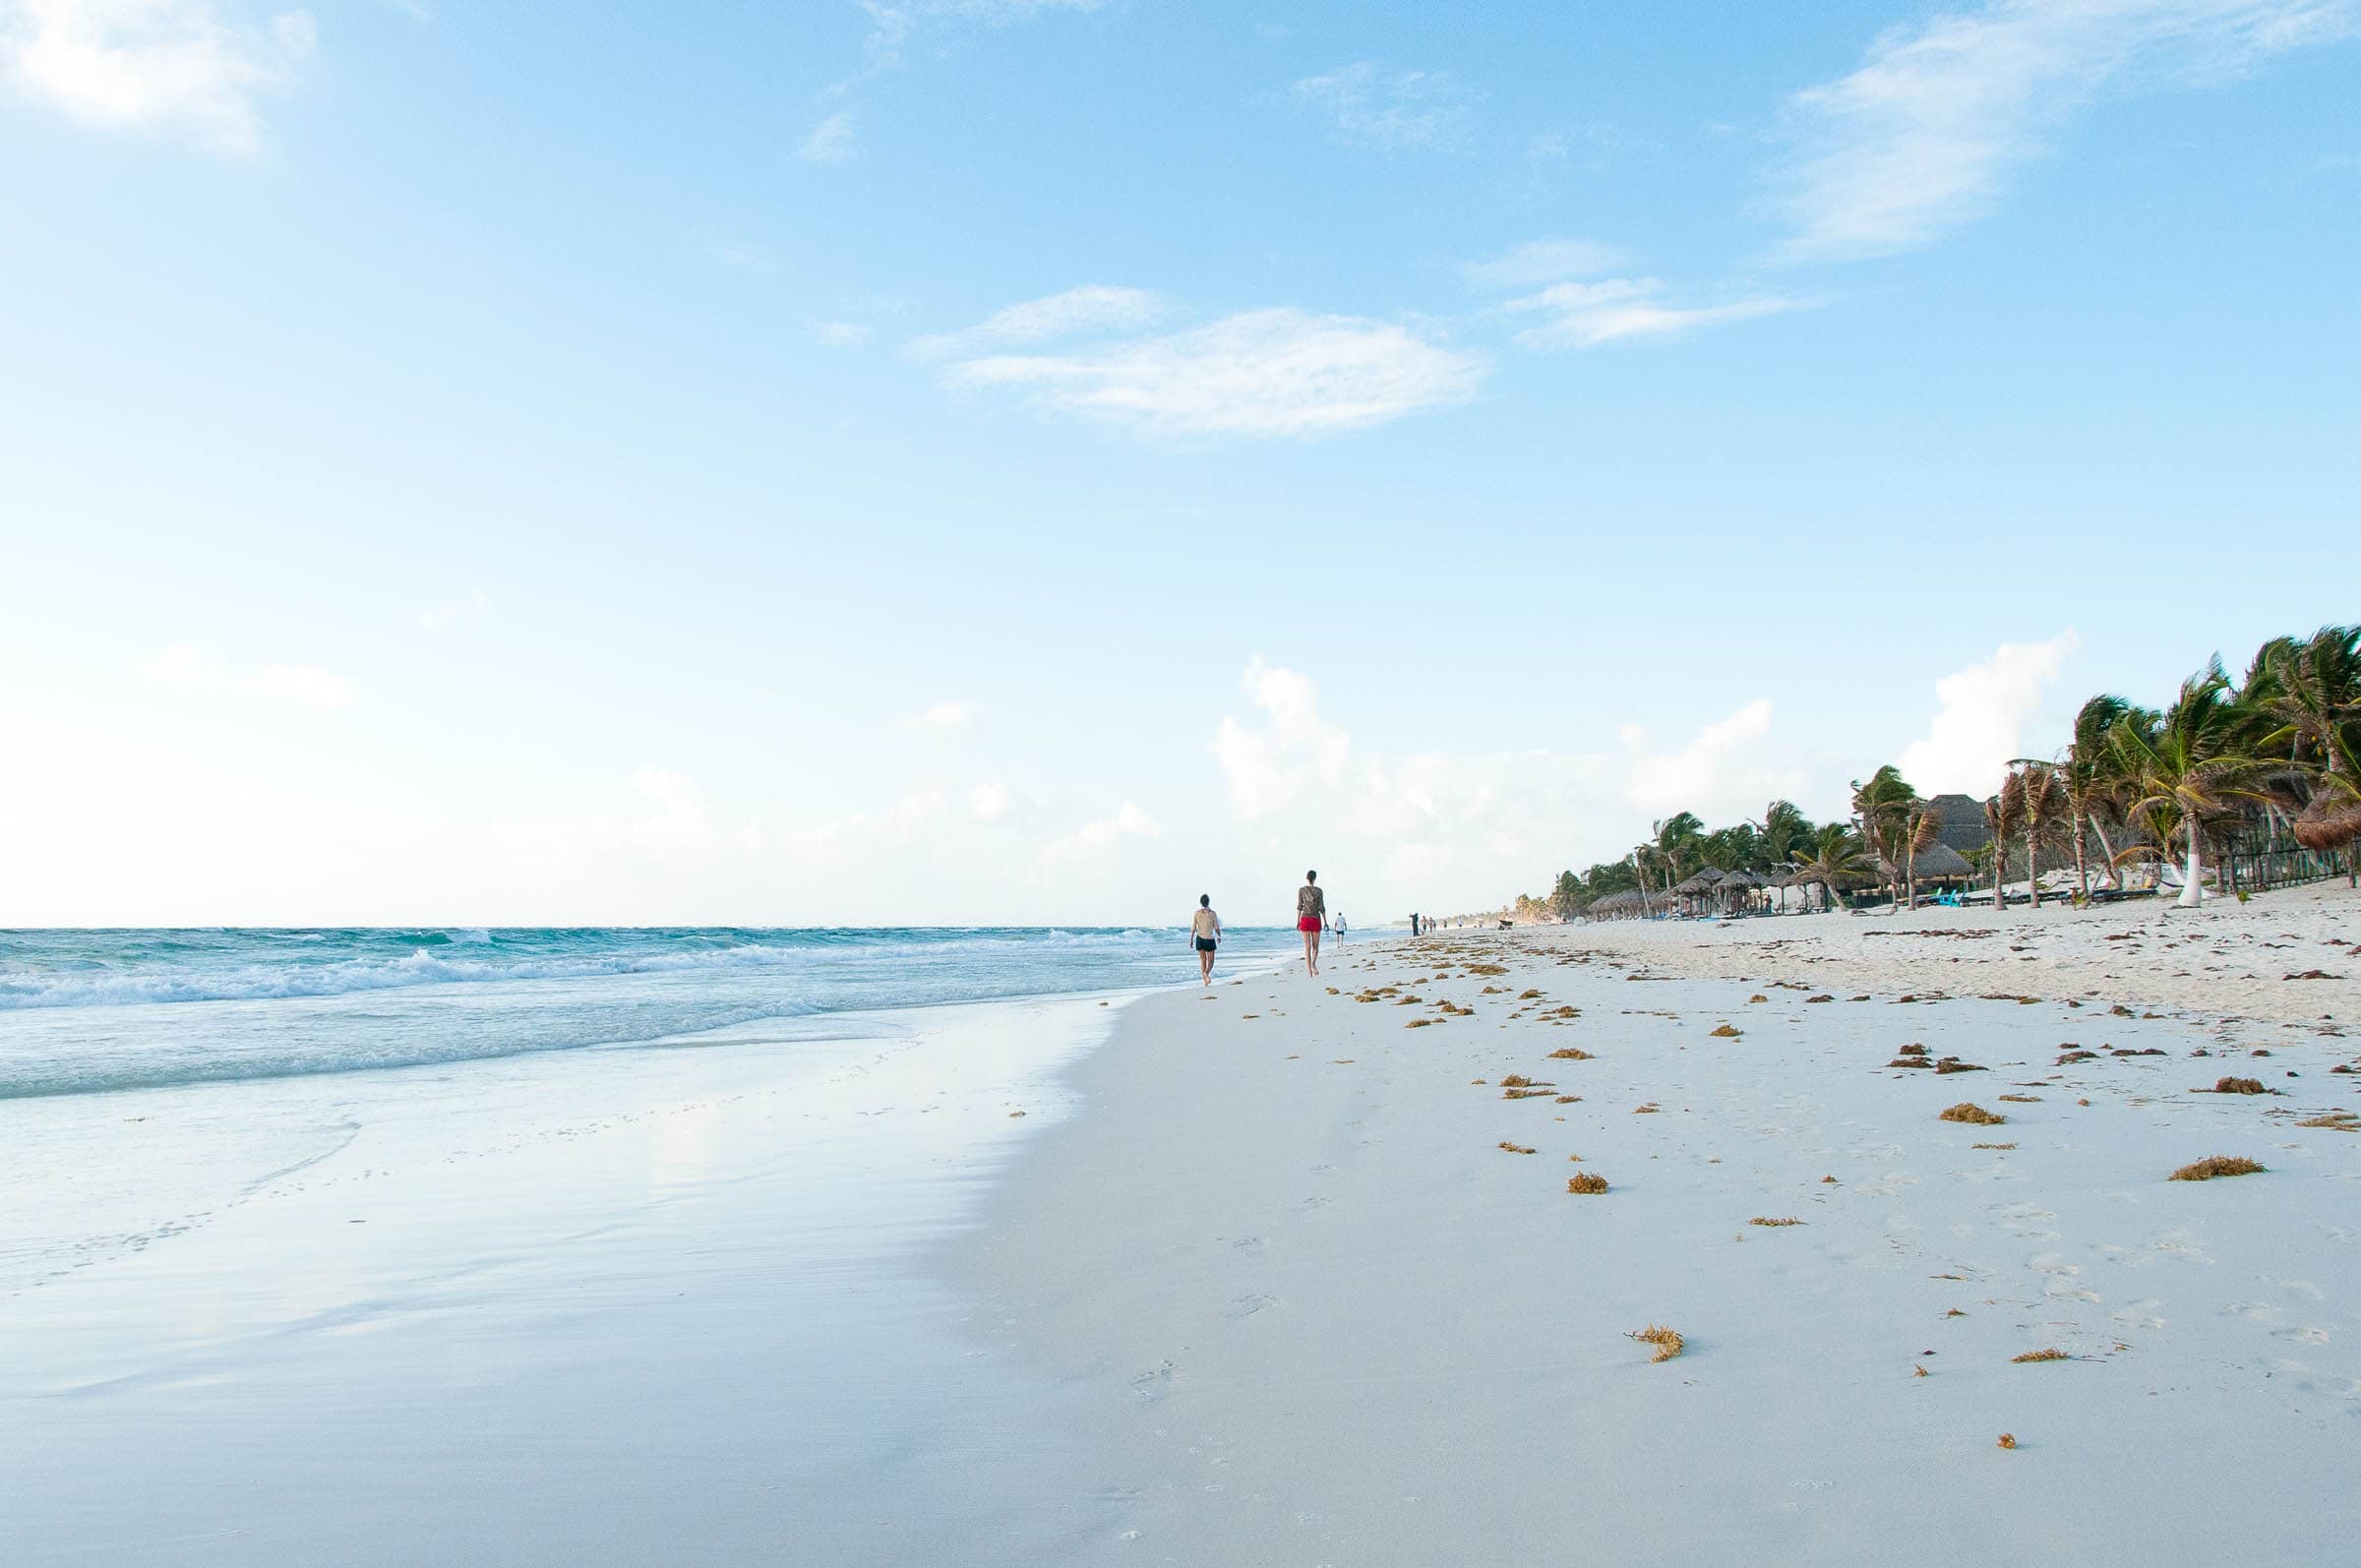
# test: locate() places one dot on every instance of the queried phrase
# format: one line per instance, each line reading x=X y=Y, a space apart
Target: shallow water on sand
x=605 y=1307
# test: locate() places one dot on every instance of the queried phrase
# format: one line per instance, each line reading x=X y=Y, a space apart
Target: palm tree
x=2000 y=814
x=1836 y=860
x=2042 y=808
x=2086 y=772
x=2312 y=698
x=1922 y=828
x=2189 y=764
x=1881 y=804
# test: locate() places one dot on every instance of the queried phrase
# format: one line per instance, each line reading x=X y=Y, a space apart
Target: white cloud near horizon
x=1929 y=131
x=1981 y=717
x=1129 y=822
x=1366 y=105
x=195 y=668
x=1580 y=314
x=1712 y=773
x=1091 y=308
x=175 y=66
x=1272 y=373
x=1269 y=767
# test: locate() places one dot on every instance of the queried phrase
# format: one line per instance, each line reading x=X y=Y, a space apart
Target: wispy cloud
x=1264 y=373
x=468 y=606
x=950 y=716
x=1586 y=315
x=1366 y=105
x=197 y=668
x=172 y=66
x=842 y=334
x=739 y=256
x=1092 y=308
x=1717 y=769
x=831 y=139
x=1927 y=134
x=1545 y=260
x=1129 y=822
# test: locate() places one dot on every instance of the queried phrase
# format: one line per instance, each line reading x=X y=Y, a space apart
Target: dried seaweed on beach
x=1525 y=1094
x=2051 y=1354
x=1726 y=1032
x=1667 y=1342
x=2334 y=1120
x=1570 y=1054
x=1516 y=1080
x=2023 y=1099
x=1969 y=1112
x=2237 y=1086
x=1992 y=1146
x=2219 y=1165
x=1771 y=1223
x=1516 y=1148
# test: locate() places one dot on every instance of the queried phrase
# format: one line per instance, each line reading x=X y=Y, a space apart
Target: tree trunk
x=2033 y=861
x=2082 y=864
x=2100 y=828
x=2000 y=867
x=2193 y=895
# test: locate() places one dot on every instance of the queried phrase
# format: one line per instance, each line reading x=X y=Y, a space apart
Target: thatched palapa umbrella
x=2328 y=823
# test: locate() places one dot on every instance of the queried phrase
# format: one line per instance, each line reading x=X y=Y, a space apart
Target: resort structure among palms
x=2229 y=788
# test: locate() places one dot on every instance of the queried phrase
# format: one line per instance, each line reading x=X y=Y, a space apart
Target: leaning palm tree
x=1835 y=863
x=1881 y=805
x=2188 y=765
x=2086 y=771
x=1921 y=830
x=2312 y=699
x=2042 y=812
x=2001 y=815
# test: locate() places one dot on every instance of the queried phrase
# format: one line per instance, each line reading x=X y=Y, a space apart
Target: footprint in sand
x=2059 y=1284
x=1155 y=1384
x=1246 y=1306
x=1251 y=1245
x=2138 y=1315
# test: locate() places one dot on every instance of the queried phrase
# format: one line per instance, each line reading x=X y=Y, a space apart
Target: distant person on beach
x=1340 y=928
x=1414 y=923
x=1311 y=912
x=1205 y=933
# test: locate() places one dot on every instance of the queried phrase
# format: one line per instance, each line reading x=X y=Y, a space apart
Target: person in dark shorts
x=1311 y=912
x=1205 y=933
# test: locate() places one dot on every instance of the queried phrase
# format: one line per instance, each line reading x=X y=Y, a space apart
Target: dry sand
x=1306 y=1299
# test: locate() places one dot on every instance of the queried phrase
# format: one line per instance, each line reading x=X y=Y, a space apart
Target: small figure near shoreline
x=1205 y=934
x=1312 y=914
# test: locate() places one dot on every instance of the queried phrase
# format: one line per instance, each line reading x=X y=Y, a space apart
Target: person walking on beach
x=1205 y=933
x=1311 y=912
x=1340 y=928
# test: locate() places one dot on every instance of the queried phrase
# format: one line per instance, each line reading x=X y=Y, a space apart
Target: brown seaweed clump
x=2219 y=1165
x=1969 y=1112
x=1516 y=1148
x=2053 y=1354
x=1763 y=1221
x=1726 y=1032
x=1570 y=1054
x=2239 y=1086
x=1587 y=1184
x=1667 y=1342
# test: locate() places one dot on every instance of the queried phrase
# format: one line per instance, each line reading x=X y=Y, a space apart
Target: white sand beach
x=1320 y=1294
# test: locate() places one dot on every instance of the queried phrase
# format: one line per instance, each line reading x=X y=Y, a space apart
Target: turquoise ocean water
x=86 y=1011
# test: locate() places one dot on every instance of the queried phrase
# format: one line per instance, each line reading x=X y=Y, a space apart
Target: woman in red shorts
x=1311 y=912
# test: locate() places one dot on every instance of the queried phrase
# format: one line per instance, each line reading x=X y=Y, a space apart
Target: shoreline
x=1311 y=1302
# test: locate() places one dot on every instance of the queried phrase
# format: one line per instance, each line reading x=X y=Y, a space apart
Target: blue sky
x=986 y=461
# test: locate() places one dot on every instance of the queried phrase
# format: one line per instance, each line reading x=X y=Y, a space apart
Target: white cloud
x=195 y=668
x=175 y=66
x=1928 y=132
x=1272 y=373
x=681 y=824
x=1395 y=110
x=1718 y=773
x=1271 y=766
x=1586 y=315
x=1545 y=260
x=1094 y=307
x=740 y=256
x=990 y=801
x=842 y=334
x=830 y=141
x=1981 y=717
x=1129 y=822
x=950 y=716
x=467 y=606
